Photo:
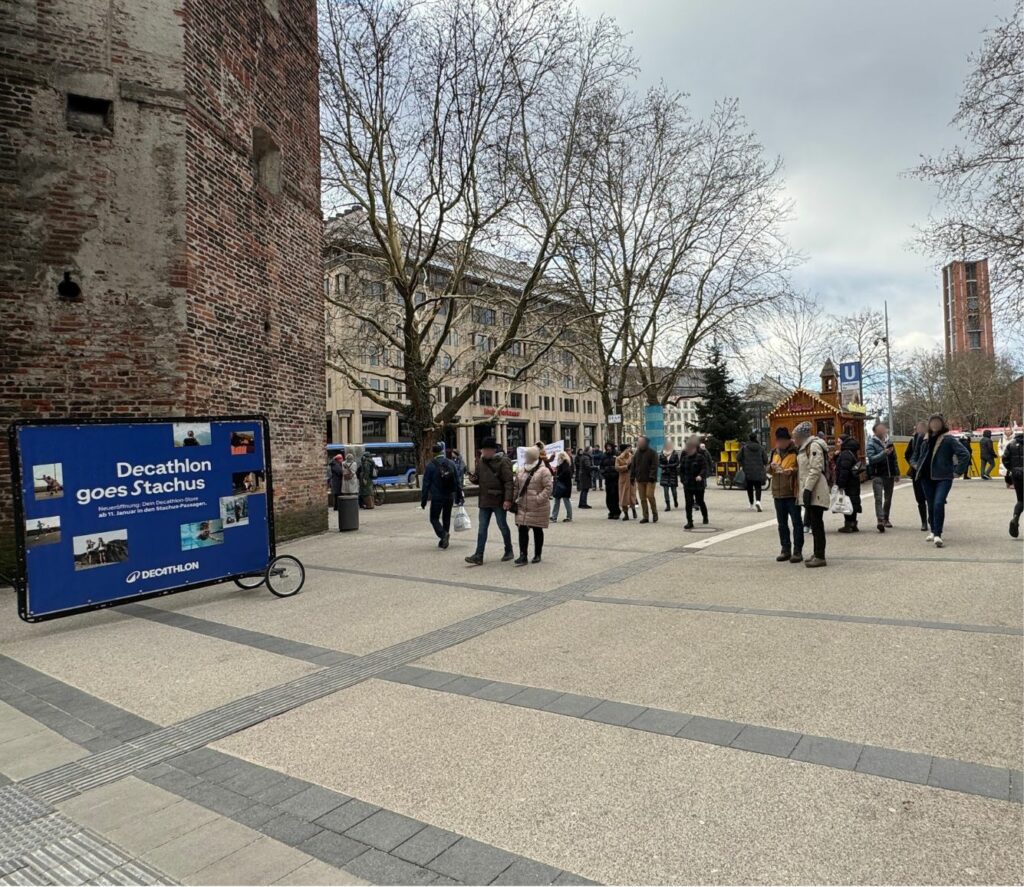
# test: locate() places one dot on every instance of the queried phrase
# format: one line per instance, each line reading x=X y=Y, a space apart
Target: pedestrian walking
x=337 y=477
x=1013 y=462
x=753 y=460
x=815 y=486
x=610 y=476
x=493 y=477
x=645 y=470
x=440 y=485
x=668 y=461
x=584 y=472
x=848 y=480
x=693 y=470
x=533 y=501
x=562 y=488
x=884 y=471
x=627 y=488
x=940 y=458
x=782 y=468
x=987 y=450
x=367 y=472
x=913 y=456
x=597 y=463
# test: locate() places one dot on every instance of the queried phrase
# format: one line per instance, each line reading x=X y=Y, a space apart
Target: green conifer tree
x=722 y=414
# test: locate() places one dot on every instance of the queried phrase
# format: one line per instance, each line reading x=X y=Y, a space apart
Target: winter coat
x=810 y=460
x=627 y=489
x=669 y=469
x=753 y=459
x=533 y=495
x=337 y=476
x=847 y=475
x=365 y=473
x=645 y=465
x=945 y=450
x=563 y=481
x=692 y=466
x=440 y=481
x=597 y=460
x=913 y=453
x=1013 y=456
x=350 y=484
x=584 y=468
x=460 y=467
x=988 y=450
x=881 y=463
x=784 y=472
x=494 y=477
x=608 y=469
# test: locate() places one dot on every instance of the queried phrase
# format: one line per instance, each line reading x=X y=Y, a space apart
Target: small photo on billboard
x=100 y=549
x=234 y=511
x=202 y=534
x=243 y=443
x=42 y=531
x=247 y=481
x=48 y=481
x=191 y=434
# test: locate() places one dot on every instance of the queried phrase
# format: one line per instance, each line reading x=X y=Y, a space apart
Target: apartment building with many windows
x=967 y=308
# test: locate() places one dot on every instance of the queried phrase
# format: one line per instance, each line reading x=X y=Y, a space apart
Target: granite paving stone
x=528 y=871
x=656 y=720
x=378 y=867
x=618 y=714
x=533 y=697
x=975 y=779
x=907 y=766
x=347 y=815
x=313 y=802
x=333 y=848
x=712 y=730
x=289 y=828
x=384 y=830
x=766 y=740
x=472 y=862
x=425 y=845
x=572 y=705
x=827 y=752
x=497 y=691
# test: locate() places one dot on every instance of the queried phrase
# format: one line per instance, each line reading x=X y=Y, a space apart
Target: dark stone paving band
x=405 y=577
x=371 y=842
x=806 y=614
x=1000 y=783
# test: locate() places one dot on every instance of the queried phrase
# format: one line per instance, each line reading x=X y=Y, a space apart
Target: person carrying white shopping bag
x=442 y=488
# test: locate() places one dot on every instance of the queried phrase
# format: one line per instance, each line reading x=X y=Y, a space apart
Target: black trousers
x=817 y=517
x=1018 y=486
x=675 y=495
x=753 y=489
x=441 y=515
x=854 y=496
x=611 y=498
x=524 y=540
x=922 y=503
x=584 y=490
x=692 y=498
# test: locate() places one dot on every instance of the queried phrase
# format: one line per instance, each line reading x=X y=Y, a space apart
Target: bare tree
x=981 y=185
x=794 y=340
x=860 y=337
x=457 y=129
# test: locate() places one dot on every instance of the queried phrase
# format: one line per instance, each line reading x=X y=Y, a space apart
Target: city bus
x=396 y=462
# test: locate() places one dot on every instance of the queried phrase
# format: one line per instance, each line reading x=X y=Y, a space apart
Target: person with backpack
x=939 y=459
x=533 y=501
x=782 y=469
x=1013 y=462
x=848 y=480
x=693 y=472
x=367 y=472
x=912 y=455
x=668 y=462
x=815 y=479
x=884 y=471
x=442 y=487
x=753 y=460
x=563 y=487
x=493 y=477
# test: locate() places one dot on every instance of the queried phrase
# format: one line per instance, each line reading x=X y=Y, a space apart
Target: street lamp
x=888 y=366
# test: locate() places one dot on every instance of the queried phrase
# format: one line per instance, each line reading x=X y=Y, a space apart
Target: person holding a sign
x=533 y=500
x=493 y=476
x=442 y=487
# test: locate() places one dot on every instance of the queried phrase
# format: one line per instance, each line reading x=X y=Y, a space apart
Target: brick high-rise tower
x=162 y=157
x=967 y=308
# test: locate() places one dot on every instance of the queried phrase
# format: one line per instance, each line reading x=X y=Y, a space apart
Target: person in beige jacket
x=812 y=469
x=627 y=484
x=533 y=504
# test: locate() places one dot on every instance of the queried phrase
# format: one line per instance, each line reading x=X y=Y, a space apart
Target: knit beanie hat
x=802 y=430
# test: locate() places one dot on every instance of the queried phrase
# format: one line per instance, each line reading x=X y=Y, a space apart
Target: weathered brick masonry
x=198 y=264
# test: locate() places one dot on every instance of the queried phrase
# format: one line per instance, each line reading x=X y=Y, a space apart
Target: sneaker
x=757 y=505
x=784 y=555
x=475 y=559
x=938 y=542
x=888 y=523
x=796 y=558
x=1015 y=526
x=750 y=507
x=507 y=556
x=521 y=561
x=536 y=559
x=816 y=562
x=929 y=538
x=553 y=518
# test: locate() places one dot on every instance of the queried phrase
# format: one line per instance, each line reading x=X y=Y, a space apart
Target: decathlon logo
x=136 y=575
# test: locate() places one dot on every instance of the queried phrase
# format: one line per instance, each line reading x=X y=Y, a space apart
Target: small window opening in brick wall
x=89 y=113
x=267 y=158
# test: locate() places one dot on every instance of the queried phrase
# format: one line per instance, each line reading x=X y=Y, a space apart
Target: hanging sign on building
x=109 y=511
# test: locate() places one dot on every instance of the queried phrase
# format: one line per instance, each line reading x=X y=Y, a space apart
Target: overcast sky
x=849 y=93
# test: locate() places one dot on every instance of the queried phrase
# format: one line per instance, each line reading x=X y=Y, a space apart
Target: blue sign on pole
x=110 y=511
x=849 y=373
x=654 y=426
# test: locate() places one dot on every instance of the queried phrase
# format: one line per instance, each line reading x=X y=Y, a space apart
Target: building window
x=448 y=393
x=974 y=340
x=452 y=339
x=516 y=401
x=485 y=397
x=482 y=342
x=568 y=405
x=267 y=158
x=567 y=382
x=374 y=384
x=484 y=316
x=89 y=114
x=517 y=349
x=566 y=357
x=375 y=290
x=375 y=429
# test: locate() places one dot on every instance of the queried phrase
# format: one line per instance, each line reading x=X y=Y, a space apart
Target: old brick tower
x=160 y=229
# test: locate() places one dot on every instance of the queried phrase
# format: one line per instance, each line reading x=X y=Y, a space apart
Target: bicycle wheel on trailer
x=248 y=582
x=285 y=575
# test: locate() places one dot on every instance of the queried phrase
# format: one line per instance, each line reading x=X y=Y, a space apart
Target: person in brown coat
x=533 y=504
x=627 y=488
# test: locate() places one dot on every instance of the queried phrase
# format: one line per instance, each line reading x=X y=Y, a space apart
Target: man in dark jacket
x=645 y=470
x=988 y=455
x=366 y=472
x=1013 y=462
x=584 y=469
x=610 y=476
x=754 y=461
x=913 y=456
x=442 y=487
x=884 y=471
x=493 y=476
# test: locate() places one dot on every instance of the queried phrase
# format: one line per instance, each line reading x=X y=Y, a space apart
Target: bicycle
x=284 y=577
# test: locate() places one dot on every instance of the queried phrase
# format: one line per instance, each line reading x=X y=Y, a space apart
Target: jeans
x=787 y=510
x=674 y=493
x=524 y=540
x=501 y=516
x=583 y=498
x=882 y=488
x=987 y=466
x=441 y=515
x=596 y=480
x=753 y=489
x=691 y=498
x=648 y=500
x=935 y=493
x=568 y=507
x=817 y=516
x=922 y=505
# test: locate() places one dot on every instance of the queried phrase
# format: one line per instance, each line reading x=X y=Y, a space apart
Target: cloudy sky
x=850 y=93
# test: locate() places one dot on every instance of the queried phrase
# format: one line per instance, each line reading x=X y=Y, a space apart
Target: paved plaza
x=645 y=706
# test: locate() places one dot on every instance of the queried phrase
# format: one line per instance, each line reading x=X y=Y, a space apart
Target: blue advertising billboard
x=110 y=511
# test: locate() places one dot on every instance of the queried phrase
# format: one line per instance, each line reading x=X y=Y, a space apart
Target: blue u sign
x=110 y=511
x=849 y=372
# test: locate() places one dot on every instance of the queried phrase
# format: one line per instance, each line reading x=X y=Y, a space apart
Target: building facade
x=159 y=209
x=967 y=308
x=552 y=402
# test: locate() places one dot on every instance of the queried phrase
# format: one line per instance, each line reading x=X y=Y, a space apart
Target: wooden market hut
x=822 y=409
